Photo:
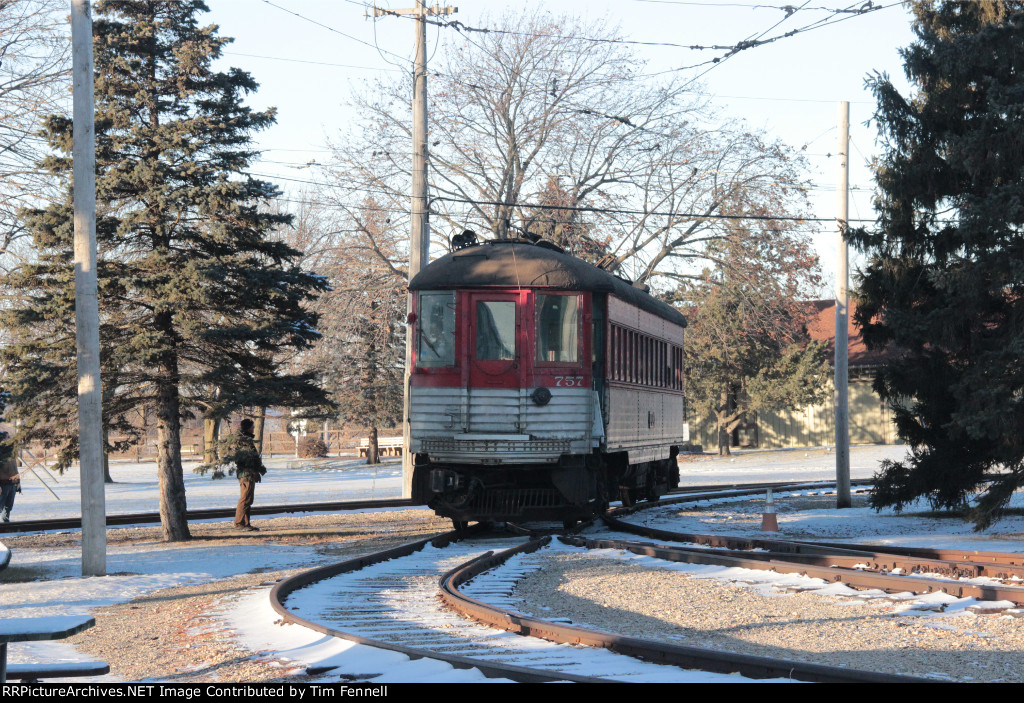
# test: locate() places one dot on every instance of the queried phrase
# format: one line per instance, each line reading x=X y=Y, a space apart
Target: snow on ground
x=812 y=464
x=144 y=568
x=811 y=514
x=135 y=488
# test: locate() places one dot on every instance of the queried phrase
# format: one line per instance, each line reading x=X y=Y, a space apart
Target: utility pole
x=87 y=331
x=842 y=377
x=419 y=238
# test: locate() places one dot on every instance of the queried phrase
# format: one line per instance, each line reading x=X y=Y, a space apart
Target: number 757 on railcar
x=542 y=387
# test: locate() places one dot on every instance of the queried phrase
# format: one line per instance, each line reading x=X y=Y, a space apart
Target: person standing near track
x=10 y=480
x=249 y=470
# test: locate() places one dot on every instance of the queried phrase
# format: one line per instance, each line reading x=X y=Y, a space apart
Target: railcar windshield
x=495 y=330
x=557 y=328
x=436 y=329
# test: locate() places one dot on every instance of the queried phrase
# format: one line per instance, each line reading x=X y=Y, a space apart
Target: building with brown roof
x=813 y=426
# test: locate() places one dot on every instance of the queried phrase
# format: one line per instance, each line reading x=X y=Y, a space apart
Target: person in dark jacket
x=10 y=479
x=249 y=469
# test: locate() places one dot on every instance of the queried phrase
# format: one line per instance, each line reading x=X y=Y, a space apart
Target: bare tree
x=546 y=107
x=35 y=79
x=360 y=252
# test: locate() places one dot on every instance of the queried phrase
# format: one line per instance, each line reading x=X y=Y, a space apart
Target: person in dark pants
x=249 y=469
x=10 y=480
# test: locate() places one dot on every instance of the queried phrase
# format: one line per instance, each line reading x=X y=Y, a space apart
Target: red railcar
x=542 y=387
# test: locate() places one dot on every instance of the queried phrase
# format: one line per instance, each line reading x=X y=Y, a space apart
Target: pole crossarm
x=435 y=11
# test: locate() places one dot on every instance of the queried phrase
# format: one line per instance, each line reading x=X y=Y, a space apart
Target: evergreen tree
x=368 y=377
x=747 y=346
x=6 y=442
x=194 y=294
x=944 y=286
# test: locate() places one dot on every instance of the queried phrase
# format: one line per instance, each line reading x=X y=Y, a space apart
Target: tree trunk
x=211 y=436
x=106 y=458
x=258 y=423
x=173 y=517
x=723 y=440
x=723 y=434
x=728 y=422
x=372 y=450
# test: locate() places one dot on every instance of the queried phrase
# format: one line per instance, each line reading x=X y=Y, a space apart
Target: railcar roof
x=517 y=264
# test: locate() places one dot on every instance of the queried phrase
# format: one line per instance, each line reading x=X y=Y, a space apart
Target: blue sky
x=308 y=54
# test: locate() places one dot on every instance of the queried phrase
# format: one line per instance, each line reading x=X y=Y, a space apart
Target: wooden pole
x=90 y=403
x=419 y=237
x=842 y=378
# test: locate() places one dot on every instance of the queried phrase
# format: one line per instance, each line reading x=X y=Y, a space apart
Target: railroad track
x=450 y=638
x=74 y=523
x=893 y=570
x=389 y=600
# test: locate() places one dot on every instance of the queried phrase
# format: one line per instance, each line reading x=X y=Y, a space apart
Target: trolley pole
x=419 y=237
x=90 y=405
x=841 y=379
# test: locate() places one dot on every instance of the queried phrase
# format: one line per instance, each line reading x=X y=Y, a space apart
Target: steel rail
x=753 y=488
x=990 y=559
x=647 y=650
x=950 y=563
x=686 y=495
x=856 y=578
x=73 y=523
x=280 y=592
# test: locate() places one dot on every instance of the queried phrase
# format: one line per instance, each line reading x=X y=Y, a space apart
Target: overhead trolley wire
x=336 y=31
x=568 y=208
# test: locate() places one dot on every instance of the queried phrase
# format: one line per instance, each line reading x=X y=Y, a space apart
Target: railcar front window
x=495 y=330
x=436 y=330
x=557 y=328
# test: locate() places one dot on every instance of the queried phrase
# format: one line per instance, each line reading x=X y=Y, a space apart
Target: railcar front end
x=510 y=393
x=502 y=403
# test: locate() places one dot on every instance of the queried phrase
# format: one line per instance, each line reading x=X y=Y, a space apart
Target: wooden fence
x=340 y=442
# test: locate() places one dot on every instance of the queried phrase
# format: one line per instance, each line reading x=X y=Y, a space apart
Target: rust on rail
x=647 y=650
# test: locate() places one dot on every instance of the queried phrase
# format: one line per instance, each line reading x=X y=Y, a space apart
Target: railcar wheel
x=627 y=497
x=652 y=489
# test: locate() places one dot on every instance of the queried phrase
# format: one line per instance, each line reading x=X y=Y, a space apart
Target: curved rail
x=734 y=490
x=679 y=656
x=281 y=591
x=858 y=566
x=662 y=653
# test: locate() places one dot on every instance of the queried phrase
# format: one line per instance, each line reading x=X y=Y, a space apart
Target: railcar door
x=495 y=362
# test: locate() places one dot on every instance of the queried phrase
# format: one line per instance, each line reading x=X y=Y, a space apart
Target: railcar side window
x=557 y=328
x=495 y=330
x=436 y=329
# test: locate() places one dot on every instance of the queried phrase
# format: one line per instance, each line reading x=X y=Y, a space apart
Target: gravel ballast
x=876 y=635
x=178 y=634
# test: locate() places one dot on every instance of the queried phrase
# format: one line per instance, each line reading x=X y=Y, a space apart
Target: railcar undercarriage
x=575 y=488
